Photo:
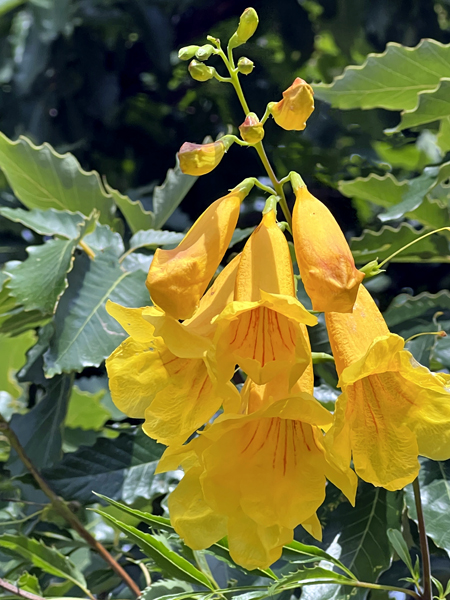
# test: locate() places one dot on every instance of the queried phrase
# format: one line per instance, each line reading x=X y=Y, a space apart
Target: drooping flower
x=159 y=372
x=391 y=409
x=200 y=159
x=324 y=258
x=178 y=278
x=255 y=476
x=293 y=110
x=261 y=330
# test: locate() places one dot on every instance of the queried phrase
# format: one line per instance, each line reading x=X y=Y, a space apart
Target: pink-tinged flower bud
x=199 y=71
x=199 y=159
x=292 y=112
x=252 y=131
x=245 y=65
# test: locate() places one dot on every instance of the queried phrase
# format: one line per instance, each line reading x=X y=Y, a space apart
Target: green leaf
x=123 y=469
x=398 y=543
x=85 y=410
x=42 y=178
x=443 y=137
x=84 y=332
x=434 y=479
x=39 y=281
x=381 y=244
x=154 y=521
x=166 y=559
x=47 y=222
x=43 y=557
x=135 y=214
x=40 y=430
x=240 y=234
x=12 y=358
x=313 y=576
x=432 y=105
x=29 y=583
x=390 y=80
x=153 y=238
x=7 y=5
x=298 y=550
x=168 y=196
x=165 y=588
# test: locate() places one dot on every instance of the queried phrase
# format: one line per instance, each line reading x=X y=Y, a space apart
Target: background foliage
x=100 y=79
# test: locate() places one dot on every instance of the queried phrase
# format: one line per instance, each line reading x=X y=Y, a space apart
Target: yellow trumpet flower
x=159 y=372
x=261 y=330
x=178 y=278
x=324 y=258
x=391 y=409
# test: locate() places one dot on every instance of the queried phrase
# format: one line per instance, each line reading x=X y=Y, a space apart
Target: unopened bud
x=187 y=52
x=200 y=72
x=247 y=25
x=204 y=52
x=252 y=131
x=245 y=65
x=200 y=159
x=296 y=106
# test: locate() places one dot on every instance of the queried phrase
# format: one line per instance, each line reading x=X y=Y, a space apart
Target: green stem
x=259 y=147
x=424 y=549
x=411 y=244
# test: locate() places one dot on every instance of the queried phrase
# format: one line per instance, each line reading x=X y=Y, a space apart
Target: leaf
x=434 y=479
x=431 y=105
x=85 y=411
x=42 y=178
x=169 y=195
x=47 y=222
x=295 y=549
x=154 y=521
x=39 y=281
x=43 y=557
x=390 y=80
x=166 y=587
x=153 y=238
x=135 y=214
x=84 y=332
x=12 y=358
x=166 y=559
x=123 y=469
x=40 y=430
x=443 y=137
x=240 y=234
x=313 y=576
x=381 y=244
x=398 y=543
x=29 y=583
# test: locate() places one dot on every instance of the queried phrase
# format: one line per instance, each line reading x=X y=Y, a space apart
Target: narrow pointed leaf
x=169 y=195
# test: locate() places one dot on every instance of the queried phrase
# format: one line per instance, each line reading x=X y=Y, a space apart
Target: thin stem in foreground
x=61 y=507
x=427 y=593
x=13 y=589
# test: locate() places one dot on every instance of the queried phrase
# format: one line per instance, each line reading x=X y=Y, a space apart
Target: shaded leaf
x=48 y=559
x=313 y=576
x=40 y=430
x=240 y=235
x=47 y=222
x=443 y=137
x=154 y=521
x=123 y=469
x=42 y=178
x=12 y=358
x=166 y=587
x=381 y=244
x=169 y=195
x=398 y=543
x=389 y=80
x=296 y=549
x=135 y=214
x=431 y=106
x=84 y=332
x=153 y=238
x=85 y=411
x=166 y=559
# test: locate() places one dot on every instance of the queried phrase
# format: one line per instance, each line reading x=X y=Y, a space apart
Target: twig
x=61 y=507
x=424 y=549
x=19 y=592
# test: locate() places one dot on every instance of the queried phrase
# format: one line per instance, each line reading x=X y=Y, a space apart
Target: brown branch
x=19 y=592
x=61 y=507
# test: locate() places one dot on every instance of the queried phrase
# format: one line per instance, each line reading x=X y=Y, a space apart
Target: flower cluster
x=256 y=462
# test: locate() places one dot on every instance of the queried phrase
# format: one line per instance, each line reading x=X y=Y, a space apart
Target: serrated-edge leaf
x=168 y=560
x=432 y=105
x=312 y=576
x=39 y=221
x=135 y=214
x=344 y=93
x=44 y=557
x=147 y=518
x=314 y=551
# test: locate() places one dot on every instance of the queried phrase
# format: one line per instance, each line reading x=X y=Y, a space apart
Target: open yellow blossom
x=178 y=278
x=159 y=372
x=256 y=476
x=391 y=409
x=294 y=109
x=261 y=330
x=324 y=258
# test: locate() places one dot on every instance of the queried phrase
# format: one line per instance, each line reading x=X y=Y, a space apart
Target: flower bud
x=324 y=258
x=297 y=105
x=245 y=65
x=200 y=159
x=199 y=71
x=252 y=131
x=204 y=52
x=247 y=25
x=187 y=52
